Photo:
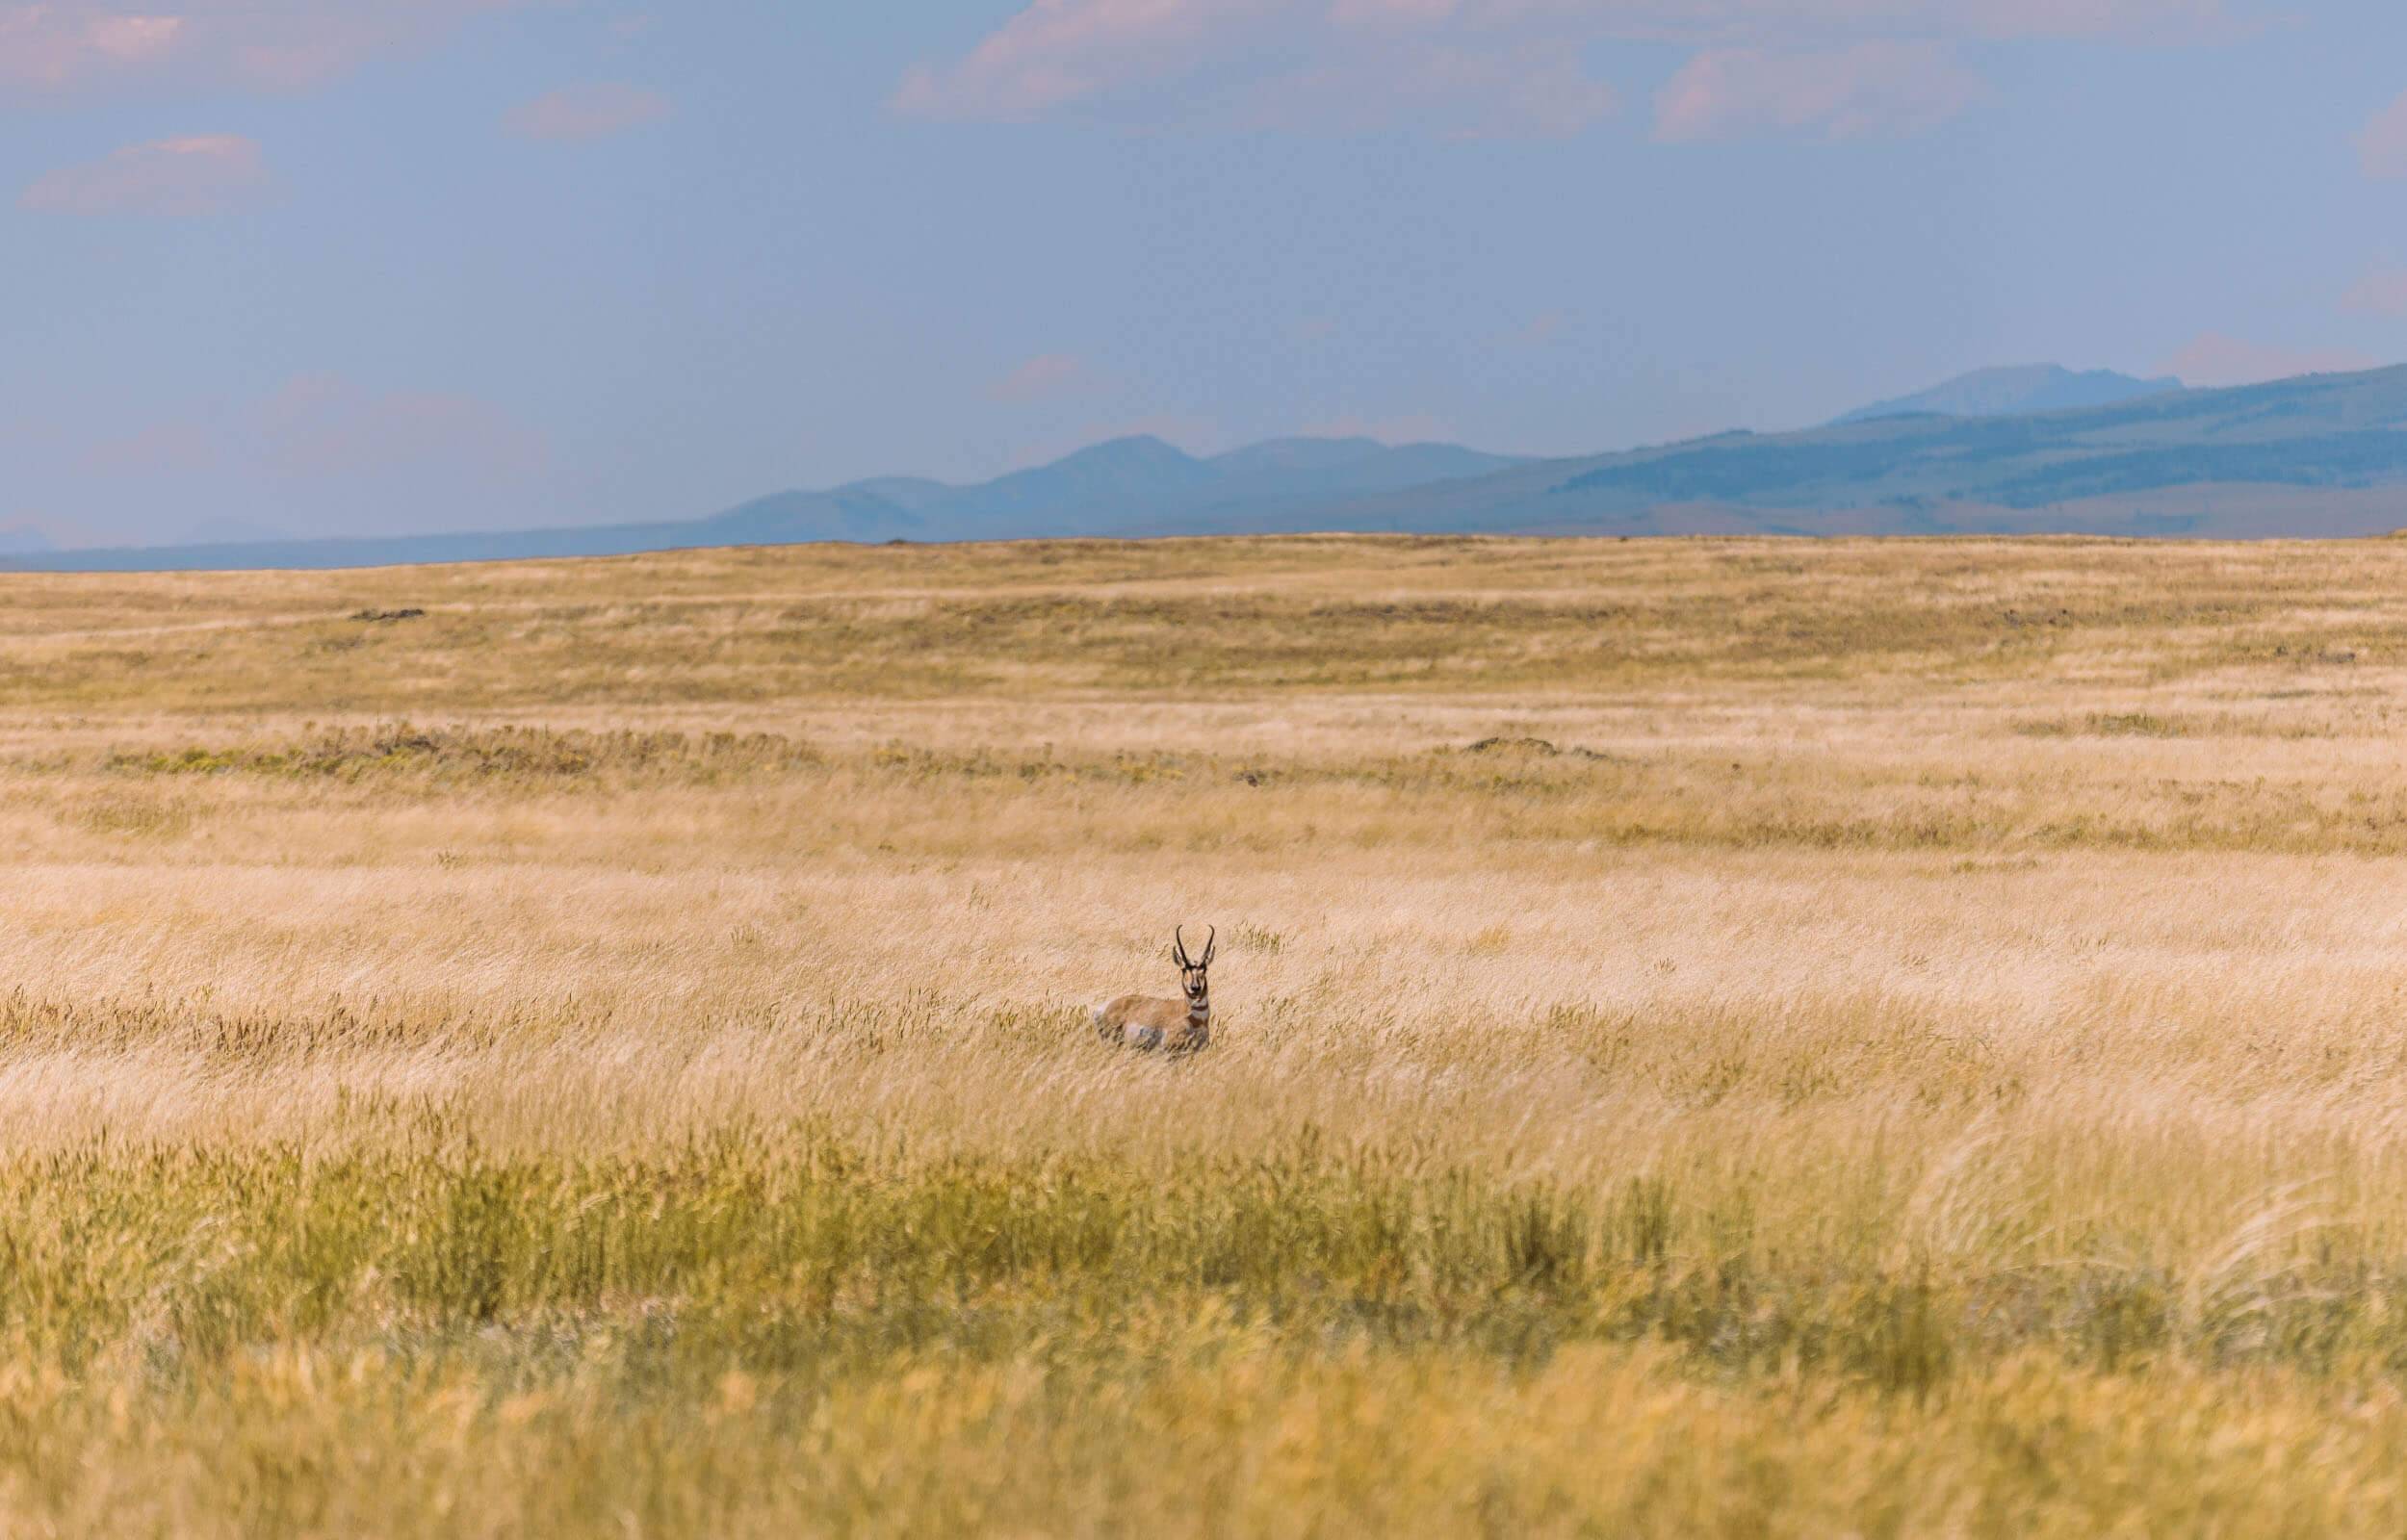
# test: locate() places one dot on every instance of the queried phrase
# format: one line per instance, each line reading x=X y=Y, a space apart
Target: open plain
x=1735 y=1037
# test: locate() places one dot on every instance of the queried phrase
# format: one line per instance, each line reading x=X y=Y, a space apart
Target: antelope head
x=1191 y=969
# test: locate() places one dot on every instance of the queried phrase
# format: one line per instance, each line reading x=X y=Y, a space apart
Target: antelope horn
x=1212 y=944
x=1178 y=946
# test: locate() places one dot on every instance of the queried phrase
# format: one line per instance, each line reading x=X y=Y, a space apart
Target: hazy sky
x=363 y=266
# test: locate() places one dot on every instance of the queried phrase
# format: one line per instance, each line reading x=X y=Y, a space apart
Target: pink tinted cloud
x=589 y=111
x=53 y=46
x=292 y=43
x=1764 y=23
x=1059 y=52
x=1542 y=330
x=2383 y=291
x=173 y=178
x=2382 y=143
x=323 y=428
x=274 y=43
x=163 y=450
x=1861 y=90
x=2214 y=358
x=1044 y=375
x=1255 y=63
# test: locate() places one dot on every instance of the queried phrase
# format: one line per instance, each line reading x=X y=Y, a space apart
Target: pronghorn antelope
x=1179 y=1026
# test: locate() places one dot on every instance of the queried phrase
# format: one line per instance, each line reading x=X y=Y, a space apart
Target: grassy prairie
x=1717 y=1037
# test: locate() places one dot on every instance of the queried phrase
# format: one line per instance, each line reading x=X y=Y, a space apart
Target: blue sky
x=386 y=265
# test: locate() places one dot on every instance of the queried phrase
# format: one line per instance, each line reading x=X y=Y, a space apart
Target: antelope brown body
x=1151 y=1024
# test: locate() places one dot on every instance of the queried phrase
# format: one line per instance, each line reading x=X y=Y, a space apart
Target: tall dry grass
x=1715 y=1037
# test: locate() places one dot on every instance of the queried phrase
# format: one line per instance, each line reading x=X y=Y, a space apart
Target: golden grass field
x=1714 y=1039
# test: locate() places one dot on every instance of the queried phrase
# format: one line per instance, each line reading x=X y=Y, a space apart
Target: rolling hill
x=2016 y=390
x=2321 y=455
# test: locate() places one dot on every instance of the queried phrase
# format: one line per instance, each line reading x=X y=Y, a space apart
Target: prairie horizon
x=2011 y=451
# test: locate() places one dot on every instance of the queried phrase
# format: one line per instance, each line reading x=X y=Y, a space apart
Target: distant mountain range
x=1133 y=485
x=2321 y=455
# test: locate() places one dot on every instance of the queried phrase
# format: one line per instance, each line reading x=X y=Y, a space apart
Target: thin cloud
x=54 y=46
x=325 y=429
x=576 y=113
x=1756 y=22
x=1486 y=66
x=2382 y=143
x=1059 y=52
x=1863 y=90
x=1048 y=374
x=2382 y=291
x=389 y=460
x=2216 y=359
x=1411 y=428
x=1542 y=330
x=162 y=450
x=1256 y=63
x=59 y=44
x=1190 y=434
x=170 y=178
